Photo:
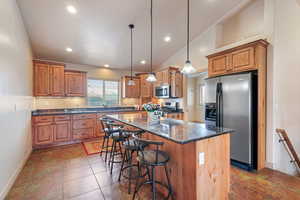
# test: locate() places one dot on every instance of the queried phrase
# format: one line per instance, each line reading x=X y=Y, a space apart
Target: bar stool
x=152 y=159
x=118 y=138
x=109 y=128
x=131 y=147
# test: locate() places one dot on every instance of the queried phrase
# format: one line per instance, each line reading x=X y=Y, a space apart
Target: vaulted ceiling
x=98 y=34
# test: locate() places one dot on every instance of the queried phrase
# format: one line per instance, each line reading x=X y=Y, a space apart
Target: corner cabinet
x=75 y=83
x=131 y=91
x=247 y=57
x=48 y=79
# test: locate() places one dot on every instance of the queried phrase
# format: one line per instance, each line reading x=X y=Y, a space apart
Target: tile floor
x=68 y=173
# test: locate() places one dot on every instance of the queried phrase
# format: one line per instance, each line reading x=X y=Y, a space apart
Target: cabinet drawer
x=84 y=123
x=84 y=116
x=83 y=133
x=62 y=118
x=42 y=119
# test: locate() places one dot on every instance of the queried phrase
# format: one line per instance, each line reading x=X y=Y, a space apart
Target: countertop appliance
x=170 y=106
x=163 y=92
x=231 y=102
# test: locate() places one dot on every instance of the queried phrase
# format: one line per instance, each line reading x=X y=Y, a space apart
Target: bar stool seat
x=148 y=157
x=131 y=145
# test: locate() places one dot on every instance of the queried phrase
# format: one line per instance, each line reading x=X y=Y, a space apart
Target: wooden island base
x=189 y=179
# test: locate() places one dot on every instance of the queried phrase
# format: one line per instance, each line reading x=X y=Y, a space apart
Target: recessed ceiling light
x=106 y=65
x=143 y=62
x=167 y=39
x=69 y=49
x=72 y=9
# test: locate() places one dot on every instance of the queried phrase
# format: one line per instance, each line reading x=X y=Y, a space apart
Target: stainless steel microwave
x=163 y=92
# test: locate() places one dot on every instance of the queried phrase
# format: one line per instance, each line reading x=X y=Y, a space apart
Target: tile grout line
x=90 y=165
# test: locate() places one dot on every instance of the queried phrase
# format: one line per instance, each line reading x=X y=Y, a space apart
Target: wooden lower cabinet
x=79 y=134
x=62 y=131
x=43 y=133
x=178 y=116
x=54 y=130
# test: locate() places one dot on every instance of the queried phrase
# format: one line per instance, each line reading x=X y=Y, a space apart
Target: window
x=202 y=94
x=101 y=92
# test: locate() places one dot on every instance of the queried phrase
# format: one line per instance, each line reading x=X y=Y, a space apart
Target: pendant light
x=188 y=68
x=131 y=82
x=151 y=77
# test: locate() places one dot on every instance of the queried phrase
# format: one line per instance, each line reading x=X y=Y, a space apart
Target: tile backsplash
x=70 y=102
x=59 y=102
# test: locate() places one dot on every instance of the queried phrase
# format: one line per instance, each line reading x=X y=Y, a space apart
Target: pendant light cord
x=188 y=30
x=131 y=54
x=151 y=46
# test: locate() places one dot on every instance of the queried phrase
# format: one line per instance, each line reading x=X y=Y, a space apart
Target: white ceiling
x=99 y=33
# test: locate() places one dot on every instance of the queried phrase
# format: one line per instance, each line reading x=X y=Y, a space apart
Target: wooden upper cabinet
x=41 y=79
x=146 y=87
x=176 y=82
x=48 y=79
x=75 y=83
x=57 y=80
x=218 y=65
x=243 y=59
x=131 y=91
x=239 y=59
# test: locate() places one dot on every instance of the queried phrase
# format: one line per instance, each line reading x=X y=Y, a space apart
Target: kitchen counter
x=178 y=131
x=199 y=163
x=83 y=111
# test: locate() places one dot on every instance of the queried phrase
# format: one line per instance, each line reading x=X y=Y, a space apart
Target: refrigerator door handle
x=221 y=104
x=217 y=105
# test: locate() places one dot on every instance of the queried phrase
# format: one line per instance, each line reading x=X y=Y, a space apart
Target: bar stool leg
x=102 y=147
x=122 y=165
x=153 y=184
x=169 y=184
x=111 y=152
x=107 y=144
x=113 y=157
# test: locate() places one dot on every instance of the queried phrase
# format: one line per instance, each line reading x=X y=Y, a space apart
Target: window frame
x=104 y=94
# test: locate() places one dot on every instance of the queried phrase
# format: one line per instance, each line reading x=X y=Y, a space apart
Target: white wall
x=247 y=23
x=286 y=71
x=15 y=92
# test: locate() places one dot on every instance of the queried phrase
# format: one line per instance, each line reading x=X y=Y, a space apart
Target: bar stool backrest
x=142 y=142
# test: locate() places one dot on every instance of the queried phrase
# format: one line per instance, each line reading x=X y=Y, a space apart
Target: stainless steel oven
x=162 y=92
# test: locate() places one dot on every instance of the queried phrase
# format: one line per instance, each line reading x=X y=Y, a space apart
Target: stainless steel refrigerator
x=231 y=102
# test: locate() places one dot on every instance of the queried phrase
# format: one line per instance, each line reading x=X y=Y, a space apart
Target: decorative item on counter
x=153 y=111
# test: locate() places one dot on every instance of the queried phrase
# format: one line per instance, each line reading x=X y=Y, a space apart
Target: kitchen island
x=200 y=155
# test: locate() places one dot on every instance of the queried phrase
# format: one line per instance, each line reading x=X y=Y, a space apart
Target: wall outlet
x=201 y=158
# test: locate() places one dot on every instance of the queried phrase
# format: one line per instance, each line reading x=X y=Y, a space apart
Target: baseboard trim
x=14 y=176
x=270 y=165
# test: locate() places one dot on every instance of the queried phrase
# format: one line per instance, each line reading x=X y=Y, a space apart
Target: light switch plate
x=201 y=158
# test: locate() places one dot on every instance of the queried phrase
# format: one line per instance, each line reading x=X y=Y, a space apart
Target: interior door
x=237 y=115
x=210 y=90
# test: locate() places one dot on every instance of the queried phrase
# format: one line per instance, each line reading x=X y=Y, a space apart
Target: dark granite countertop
x=70 y=111
x=83 y=111
x=179 y=131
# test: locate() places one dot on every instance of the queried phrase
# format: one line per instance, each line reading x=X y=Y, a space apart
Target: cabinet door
x=159 y=77
x=75 y=84
x=62 y=131
x=57 y=80
x=218 y=65
x=43 y=133
x=131 y=91
x=243 y=60
x=146 y=87
x=41 y=79
x=176 y=79
x=165 y=77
